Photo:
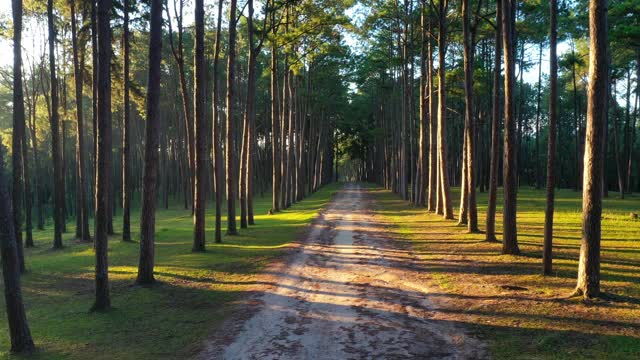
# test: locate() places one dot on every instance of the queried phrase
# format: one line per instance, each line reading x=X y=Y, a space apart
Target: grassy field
x=168 y=320
x=506 y=300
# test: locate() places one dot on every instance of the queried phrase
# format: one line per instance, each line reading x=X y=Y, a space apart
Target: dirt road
x=349 y=292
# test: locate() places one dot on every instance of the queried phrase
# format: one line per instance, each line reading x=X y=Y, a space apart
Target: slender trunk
x=217 y=125
x=547 y=253
x=510 y=173
x=152 y=133
x=470 y=121
x=103 y=173
x=588 y=284
x=442 y=113
x=537 y=160
x=275 y=124
x=58 y=181
x=17 y=139
x=433 y=150
x=126 y=132
x=200 y=130
x=231 y=125
x=19 y=333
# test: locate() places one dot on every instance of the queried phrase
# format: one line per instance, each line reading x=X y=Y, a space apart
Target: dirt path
x=350 y=292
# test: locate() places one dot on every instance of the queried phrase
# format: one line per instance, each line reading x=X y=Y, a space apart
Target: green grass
x=170 y=320
x=540 y=322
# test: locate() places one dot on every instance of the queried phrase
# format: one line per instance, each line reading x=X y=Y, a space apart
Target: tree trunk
x=442 y=113
x=510 y=173
x=433 y=150
x=470 y=121
x=82 y=212
x=19 y=333
x=58 y=182
x=495 y=130
x=18 y=137
x=547 y=253
x=588 y=284
x=152 y=133
x=126 y=132
x=200 y=130
x=232 y=184
x=103 y=173
x=217 y=125
x=275 y=123
x=538 y=181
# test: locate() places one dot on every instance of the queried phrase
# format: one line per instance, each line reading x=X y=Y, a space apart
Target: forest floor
x=505 y=301
x=195 y=292
x=372 y=277
x=348 y=292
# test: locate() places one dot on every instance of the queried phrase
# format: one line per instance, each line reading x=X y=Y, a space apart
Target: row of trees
x=420 y=135
x=211 y=132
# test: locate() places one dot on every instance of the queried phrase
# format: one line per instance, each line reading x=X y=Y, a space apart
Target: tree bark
x=18 y=135
x=232 y=184
x=58 y=182
x=82 y=211
x=588 y=284
x=470 y=121
x=495 y=130
x=103 y=173
x=547 y=252
x=200 y=130
x=126 y=132
x=442 y=113
x=217 y=125
x=19 y=333
x=510 y=173
x=152 y=137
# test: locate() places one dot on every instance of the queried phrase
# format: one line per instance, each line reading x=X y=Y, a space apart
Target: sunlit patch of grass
x=193 y=295
x=536 y=320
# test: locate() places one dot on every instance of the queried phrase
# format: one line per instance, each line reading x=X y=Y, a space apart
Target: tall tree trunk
x=250 y=116
x=495 y=130
x=28 y=196
x=178 y=54
x=103 y=173
x=588 y=284
x=18 y=136
x=82 y=212
x=200 y=130
x=539 y=97
x=19 y=333
x=470 y=121
x=58 y=181
x=547 y=253
x=575 y=126
x=217 y=126
x=616 y=142
x=433 y=142
x=447 y=206
x=275 y=122
x=232 y=184
x=152 y=134
x=510 y=171
x=126 y=132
